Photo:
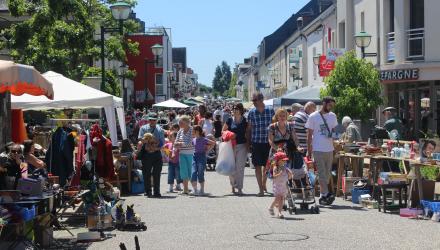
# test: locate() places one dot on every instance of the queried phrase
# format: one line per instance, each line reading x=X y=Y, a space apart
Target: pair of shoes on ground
x=149 y=195
x=272 y=213
x=327 y=200
x=197 y=193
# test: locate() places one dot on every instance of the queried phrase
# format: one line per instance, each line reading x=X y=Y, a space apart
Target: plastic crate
x=356 y=194
x=433 y=206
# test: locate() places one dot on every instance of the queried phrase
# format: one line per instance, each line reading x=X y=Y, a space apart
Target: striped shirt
x=186 y=138
x=300 y=119
x=260 y=124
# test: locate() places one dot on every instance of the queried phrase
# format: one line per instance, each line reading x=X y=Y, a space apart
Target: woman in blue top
x=238 y=124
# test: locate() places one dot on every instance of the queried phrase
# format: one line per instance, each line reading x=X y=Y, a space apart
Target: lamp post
x=120 y=12
x=157 y=50
x=124 y=69
x=363 y=40
x=170 y=74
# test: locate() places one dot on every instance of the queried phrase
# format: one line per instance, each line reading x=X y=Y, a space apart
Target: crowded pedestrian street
x=135 y=124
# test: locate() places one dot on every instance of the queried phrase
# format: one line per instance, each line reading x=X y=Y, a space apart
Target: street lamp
x=170 y=74
x=363 y=40
x=120 y=12
x=316 y=59
x=123 y=70
x=157 y=51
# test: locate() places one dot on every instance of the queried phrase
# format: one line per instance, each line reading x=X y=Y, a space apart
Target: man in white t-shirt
x=320 y=129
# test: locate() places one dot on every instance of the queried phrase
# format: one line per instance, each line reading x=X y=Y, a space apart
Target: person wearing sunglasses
x=12 y=166
x=259 y=119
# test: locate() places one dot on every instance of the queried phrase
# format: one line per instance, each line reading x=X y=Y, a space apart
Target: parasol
x=19 y=79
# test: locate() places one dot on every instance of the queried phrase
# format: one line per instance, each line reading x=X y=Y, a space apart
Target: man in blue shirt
x=152 y=164
x=259 y=119
x=152 y=128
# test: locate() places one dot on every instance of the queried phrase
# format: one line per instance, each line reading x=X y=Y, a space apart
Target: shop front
x=415 y=93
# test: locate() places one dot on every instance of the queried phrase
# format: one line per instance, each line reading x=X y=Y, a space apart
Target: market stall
x=75 y=95
x=171 y=103
x=302 y=96
x=396 y=171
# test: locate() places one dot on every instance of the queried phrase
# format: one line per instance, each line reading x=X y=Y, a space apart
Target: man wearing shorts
x=259 y=119
x=320 y=128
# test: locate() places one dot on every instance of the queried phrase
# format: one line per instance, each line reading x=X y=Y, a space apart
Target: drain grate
x=281 y=237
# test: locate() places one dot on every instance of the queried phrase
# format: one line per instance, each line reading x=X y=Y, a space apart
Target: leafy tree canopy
x=60 y=35
x=355 y=85
x=222 y=79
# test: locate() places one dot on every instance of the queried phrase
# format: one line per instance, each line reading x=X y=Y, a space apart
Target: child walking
x=281 y=174
x=201 y=146
x=173 y=163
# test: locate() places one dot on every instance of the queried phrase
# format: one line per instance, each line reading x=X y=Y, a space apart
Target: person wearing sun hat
x=155 y=158
x=280 y=175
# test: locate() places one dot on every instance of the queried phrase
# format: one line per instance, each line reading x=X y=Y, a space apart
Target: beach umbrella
x=19 y=79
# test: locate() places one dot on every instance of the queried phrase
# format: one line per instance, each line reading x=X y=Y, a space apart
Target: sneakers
x=194 y=192
x=327 y=199
x=178 y=188
x=171 y=189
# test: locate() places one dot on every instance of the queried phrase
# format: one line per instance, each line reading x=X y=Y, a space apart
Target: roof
x=309 y=12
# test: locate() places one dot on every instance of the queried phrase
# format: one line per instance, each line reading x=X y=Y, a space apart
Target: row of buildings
x=403 y=47
x=158 y=78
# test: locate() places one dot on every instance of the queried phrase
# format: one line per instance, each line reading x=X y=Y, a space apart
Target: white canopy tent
x=171 y=103
x=69 y=94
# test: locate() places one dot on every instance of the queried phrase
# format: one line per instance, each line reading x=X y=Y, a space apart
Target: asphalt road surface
x=224 y=221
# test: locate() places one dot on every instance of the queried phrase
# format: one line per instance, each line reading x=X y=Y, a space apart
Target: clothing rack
x=53 y=121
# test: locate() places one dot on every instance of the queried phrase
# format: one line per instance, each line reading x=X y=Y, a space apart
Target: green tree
x=222 y=78
x=60 y=36
x=355 y=85
x=232 y=85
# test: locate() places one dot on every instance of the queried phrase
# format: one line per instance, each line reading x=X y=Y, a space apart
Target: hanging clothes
x=102 y=154
x=79 y=158
x=59 y=156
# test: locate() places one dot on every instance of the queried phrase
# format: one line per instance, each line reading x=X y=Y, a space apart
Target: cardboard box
x=92 y=221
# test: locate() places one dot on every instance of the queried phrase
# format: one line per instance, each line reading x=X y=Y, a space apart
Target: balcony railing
x=391 y=56
x=416 y=44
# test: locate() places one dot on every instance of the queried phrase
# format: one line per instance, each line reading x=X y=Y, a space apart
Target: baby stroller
x=301 y=189
x=211 y=158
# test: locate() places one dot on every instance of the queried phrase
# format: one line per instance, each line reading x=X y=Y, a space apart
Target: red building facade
x=148 y=74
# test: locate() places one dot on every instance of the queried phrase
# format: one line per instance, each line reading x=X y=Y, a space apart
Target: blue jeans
x=198 y=167
x=173 y=173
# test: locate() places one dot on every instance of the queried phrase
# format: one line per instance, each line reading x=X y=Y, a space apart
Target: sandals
x=271 y=211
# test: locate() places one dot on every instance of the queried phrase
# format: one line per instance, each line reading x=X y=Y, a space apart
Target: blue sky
x=216 y=30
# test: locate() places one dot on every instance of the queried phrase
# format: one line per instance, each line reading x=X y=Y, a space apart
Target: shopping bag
x=225 y=159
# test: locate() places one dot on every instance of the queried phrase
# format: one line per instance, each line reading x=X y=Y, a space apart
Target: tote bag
x=225 y=159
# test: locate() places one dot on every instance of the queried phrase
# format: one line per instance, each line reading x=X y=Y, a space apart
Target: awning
x=171 y=103
x=71 y=94
x=302 y=96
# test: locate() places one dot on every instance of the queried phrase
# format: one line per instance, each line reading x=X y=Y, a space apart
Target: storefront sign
x=325 y=66
x=399 y=75
x=294 y=55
